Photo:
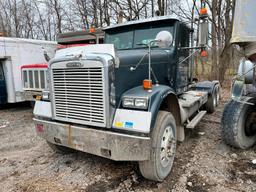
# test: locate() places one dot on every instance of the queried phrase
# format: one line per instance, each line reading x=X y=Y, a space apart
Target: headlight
x=140 y=103
x=46 y=95
x=128 y=102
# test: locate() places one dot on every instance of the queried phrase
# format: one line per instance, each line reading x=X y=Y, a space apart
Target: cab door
x=183 y=71
x=3 y=92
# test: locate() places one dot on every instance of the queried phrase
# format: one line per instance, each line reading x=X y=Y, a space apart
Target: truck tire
x=163 y=148
x=213 y=100
x=60 y=149
x=238 y=125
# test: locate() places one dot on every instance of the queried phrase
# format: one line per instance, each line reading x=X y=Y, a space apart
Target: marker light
x=147 y=84
x=203 y=53
x=203 y=11
x=92 y=30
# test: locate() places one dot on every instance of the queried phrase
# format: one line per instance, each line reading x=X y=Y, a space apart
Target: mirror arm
x=136 y=66
x=188 y=57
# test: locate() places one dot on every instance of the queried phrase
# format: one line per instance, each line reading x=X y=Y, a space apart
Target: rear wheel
x=163 y=148
x=60 y=149
x=213 y=100
x=238 y=124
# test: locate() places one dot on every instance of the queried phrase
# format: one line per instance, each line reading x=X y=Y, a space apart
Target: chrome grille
x=79 y=95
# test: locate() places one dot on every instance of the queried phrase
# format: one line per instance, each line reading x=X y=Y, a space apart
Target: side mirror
x=203 y=32
x=164 y=39
x=46 y=56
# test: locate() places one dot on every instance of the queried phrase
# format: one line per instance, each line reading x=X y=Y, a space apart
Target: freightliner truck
x=129 y=99
x=238 y=121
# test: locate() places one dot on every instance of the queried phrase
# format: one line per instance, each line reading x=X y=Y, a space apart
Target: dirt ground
x=203 y=162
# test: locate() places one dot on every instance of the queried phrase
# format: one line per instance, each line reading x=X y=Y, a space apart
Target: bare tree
x=221 y=18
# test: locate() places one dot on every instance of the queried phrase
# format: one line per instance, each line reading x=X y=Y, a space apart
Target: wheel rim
x=214 y=101
x=216 y=97
x=168 y=146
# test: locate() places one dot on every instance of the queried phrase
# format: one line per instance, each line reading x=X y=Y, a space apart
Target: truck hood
x=126 y=79
x=82 y=51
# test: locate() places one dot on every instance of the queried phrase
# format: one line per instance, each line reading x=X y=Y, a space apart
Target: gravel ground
x=203 y=162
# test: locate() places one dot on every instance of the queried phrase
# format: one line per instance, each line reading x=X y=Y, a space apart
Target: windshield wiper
x=141 y=44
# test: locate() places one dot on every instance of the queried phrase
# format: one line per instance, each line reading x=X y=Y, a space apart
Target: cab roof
x=147 y=20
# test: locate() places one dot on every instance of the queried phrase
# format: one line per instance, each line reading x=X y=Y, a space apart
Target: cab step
x=196 y=120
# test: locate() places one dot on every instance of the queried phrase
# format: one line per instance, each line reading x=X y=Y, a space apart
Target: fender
x=161 y=97
x=205 y=86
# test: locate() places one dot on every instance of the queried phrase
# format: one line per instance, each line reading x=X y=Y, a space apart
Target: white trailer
x=19 y=57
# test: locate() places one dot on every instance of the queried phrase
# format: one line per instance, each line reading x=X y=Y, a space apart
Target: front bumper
x=112 y=145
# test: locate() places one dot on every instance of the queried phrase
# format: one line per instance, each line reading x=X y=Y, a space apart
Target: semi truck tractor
x=22 y=68
x=238 y=121
x=129 y=99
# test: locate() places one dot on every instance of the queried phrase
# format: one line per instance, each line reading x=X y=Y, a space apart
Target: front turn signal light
x=147 y=84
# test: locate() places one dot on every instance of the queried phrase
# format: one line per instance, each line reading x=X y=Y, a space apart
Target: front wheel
x=238 y=124
x=163 y=148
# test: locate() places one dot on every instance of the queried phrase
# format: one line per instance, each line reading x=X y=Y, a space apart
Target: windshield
x=121 y=39
x=136 y=37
